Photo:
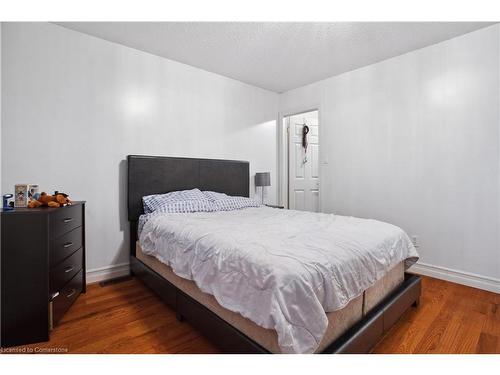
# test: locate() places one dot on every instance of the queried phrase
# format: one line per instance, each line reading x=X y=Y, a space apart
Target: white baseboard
x=107 y=273
x=459 y=277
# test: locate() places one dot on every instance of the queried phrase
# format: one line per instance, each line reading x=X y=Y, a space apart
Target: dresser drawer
x=65 y=271
x=65 y=219
x=66 y=297
x=63 y=246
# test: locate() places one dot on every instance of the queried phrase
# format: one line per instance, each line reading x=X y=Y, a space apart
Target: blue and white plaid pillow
x=224 y=202
x=182 y=207
x=177 y=202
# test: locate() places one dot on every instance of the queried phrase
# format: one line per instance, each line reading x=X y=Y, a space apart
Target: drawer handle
x=73 y=291
x=68 y=219
x=68 y=244
x=69 y=269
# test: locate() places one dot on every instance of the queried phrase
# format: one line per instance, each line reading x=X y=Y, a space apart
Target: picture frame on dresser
x=42 y=270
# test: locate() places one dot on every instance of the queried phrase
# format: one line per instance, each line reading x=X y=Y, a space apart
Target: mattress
x=338 y=321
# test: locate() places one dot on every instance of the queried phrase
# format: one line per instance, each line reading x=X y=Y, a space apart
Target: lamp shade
x=263 y=179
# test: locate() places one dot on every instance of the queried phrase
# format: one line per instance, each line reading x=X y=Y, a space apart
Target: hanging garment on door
x=305 y=130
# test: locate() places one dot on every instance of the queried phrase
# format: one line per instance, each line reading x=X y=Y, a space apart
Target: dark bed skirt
x=360 y=338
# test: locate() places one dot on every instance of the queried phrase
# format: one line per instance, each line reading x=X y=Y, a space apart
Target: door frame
x=284 y=155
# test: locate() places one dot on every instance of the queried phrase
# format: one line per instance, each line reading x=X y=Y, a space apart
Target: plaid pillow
x=224 y=202
x=182 y=207
x=177 y=202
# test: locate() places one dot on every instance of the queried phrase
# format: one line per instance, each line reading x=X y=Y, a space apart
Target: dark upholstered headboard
x=159 y=174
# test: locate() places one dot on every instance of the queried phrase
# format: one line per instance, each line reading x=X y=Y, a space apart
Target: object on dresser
x=42 y=268
x=21 y=195
x=33 y=192
x=7 y=203
x=56 y=200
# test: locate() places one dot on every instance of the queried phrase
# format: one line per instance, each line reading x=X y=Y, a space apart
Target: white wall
x=414 y=141
x=75 y=106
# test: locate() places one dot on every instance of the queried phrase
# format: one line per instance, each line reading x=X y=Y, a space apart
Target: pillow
x=224 y=202
x=182 y=207
x=177 y=202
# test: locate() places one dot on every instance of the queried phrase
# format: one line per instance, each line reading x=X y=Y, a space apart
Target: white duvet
x=282 y=269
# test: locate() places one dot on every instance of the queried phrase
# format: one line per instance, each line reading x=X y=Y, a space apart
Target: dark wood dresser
x=42 y=262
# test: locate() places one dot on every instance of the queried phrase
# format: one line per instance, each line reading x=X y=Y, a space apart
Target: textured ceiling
x=276 y=56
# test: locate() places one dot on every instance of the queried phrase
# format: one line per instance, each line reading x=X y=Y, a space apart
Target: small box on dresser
x=42 y=270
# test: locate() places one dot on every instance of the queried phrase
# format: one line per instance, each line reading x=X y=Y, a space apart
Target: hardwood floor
x=451 y=318
x=127 y=317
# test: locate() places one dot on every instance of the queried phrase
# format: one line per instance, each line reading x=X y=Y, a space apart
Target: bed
x=352 y=327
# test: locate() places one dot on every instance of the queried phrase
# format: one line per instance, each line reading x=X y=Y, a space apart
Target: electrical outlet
x=415 y=241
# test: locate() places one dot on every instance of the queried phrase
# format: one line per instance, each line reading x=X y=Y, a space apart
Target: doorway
x=301 y=158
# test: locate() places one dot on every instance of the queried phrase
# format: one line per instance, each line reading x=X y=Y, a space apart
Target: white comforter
x=282 y=269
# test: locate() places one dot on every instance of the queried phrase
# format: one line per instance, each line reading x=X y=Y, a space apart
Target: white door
x=303 y=164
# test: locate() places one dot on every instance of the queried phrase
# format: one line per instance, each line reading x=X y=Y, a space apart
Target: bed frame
x=156 y=174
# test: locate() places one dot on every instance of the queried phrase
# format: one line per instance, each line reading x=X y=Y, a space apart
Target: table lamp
x=262 y=179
